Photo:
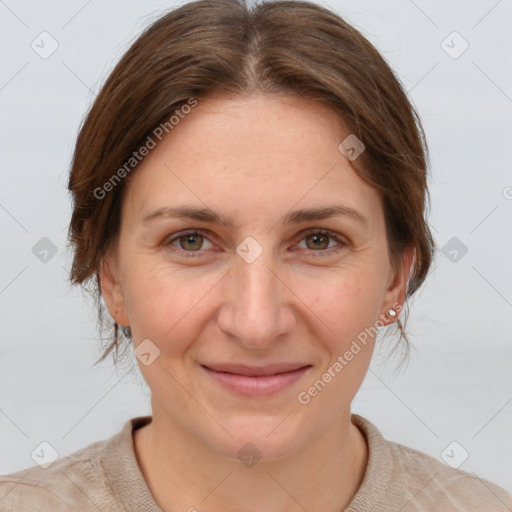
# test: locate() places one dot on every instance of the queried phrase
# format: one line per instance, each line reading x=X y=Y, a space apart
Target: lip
x=256 y=380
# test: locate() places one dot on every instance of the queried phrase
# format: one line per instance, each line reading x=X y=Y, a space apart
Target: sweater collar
x=130 y=488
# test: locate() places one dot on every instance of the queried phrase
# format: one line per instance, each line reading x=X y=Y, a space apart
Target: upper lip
x=251 y=371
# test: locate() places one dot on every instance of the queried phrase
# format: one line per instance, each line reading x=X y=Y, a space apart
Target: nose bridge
x=257 y=308
x=259 y=292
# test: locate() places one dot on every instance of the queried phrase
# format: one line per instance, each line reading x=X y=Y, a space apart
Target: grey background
x=458 y=384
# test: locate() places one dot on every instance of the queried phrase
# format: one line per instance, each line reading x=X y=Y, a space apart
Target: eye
x=189 y=243
x=322 y=242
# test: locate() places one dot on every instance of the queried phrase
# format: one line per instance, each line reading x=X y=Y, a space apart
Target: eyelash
x=323 y=252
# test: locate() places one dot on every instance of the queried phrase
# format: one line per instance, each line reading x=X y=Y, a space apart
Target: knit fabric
x=105 y=476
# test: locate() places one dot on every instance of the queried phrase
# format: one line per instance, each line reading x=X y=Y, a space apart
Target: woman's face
x=265 y=284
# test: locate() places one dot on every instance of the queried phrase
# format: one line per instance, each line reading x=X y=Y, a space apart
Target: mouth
x=256 y=380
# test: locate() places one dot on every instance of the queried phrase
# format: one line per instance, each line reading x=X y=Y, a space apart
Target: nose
x=258 y=306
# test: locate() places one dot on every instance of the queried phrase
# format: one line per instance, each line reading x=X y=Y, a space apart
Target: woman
x=249 y=194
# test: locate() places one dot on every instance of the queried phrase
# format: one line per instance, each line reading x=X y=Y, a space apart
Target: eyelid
x=339 y=239
x=168 y=241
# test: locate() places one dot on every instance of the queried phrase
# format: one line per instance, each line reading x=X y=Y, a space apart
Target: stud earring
x=391 y=312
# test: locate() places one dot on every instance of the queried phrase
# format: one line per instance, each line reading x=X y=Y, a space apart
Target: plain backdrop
x=457 y=385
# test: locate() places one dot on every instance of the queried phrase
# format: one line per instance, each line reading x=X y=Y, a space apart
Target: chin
x=268 y=437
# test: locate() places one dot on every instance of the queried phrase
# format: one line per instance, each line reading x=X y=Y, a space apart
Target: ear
x=396 y=293
x=112 y=291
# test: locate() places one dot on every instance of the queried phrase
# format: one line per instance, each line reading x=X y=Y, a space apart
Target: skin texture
x=255 y=158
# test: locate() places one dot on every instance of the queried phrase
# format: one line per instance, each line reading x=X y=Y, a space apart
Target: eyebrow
x=295 y=217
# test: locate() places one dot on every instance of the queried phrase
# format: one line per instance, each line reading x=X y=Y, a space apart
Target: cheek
x=346 y=300
x=348 y=305
x=163 y=302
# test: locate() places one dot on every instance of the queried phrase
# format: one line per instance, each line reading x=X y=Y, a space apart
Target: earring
x=391 y=312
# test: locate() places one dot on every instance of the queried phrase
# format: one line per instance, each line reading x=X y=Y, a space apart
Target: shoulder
x=432 y=482
x=75 y=482
x=400 y=475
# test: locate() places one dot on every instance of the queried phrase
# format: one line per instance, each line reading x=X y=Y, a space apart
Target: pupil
x=319 y=240
x=191 y=239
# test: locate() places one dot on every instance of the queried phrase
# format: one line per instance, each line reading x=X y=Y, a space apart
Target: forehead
x=262 y=151
x=244 y=126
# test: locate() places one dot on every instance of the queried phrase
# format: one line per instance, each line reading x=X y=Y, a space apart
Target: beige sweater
x=105 y=476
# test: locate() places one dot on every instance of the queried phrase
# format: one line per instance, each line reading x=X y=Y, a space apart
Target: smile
x=251 y=381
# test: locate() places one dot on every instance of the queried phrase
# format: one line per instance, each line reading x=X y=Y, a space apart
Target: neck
x=183 y=473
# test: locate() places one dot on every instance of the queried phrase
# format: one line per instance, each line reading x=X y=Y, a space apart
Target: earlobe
x=112 y=293
x=396 y=294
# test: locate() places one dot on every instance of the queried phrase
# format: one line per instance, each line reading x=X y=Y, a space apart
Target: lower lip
x=263 y=385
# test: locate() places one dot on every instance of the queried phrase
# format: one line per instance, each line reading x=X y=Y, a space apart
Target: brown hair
x=295 y=48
